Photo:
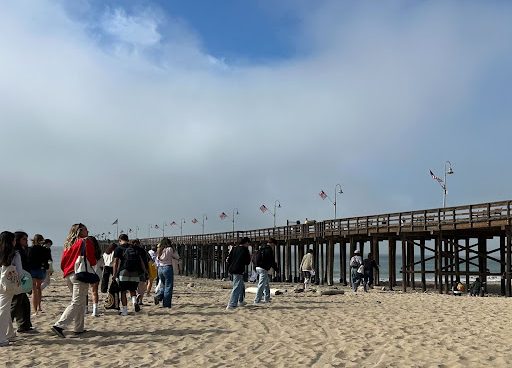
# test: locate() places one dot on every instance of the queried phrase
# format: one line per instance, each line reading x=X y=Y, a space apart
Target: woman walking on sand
x=98 y=268
x=20 y=306
x=168 y=258
x=75 y=312
x=39 y=257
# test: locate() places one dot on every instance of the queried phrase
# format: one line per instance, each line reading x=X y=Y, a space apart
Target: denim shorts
x=39 y=274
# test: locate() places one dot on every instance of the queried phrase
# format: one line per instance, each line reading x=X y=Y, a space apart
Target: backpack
x=354 y=262
x=258 y=257
x=131 y=260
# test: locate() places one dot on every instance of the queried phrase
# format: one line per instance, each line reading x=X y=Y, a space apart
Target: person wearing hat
x=355 y=263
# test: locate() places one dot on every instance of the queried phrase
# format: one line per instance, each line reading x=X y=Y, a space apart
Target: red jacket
x=70 y=255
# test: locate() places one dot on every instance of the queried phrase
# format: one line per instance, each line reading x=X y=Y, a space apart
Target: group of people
x=121 y=268
x=35 y=264
x=361 y=271
x=125 y=268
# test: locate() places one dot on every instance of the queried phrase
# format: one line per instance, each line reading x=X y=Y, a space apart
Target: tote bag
x=83 y=269
x=9 y=280
x=25 y=282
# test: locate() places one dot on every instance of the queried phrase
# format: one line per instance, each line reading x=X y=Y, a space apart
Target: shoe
x=124 y=312
x=95 y=314
x=58 y=331
x=137 y=307
x=27 y=330
x=229 y=307
x=242 y=304
x=79 y=333
x=5 y=343
x=156 y=300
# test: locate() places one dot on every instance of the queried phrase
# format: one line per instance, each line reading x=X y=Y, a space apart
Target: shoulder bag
x=83 y=269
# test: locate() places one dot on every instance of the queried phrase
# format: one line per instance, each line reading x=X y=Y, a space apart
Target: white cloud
x=160 y=129
x=140 y=30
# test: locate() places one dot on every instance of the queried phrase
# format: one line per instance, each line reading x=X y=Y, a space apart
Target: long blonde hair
x=73 y=235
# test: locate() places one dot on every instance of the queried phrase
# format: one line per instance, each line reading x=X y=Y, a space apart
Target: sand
x=375 y=329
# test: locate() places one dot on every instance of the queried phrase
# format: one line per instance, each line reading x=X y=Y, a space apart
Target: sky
x=157 y=111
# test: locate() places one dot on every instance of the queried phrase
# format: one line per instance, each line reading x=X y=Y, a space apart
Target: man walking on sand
x=264 y=262
x=238 y=258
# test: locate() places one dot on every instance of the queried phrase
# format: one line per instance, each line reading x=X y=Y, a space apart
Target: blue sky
x=155 y=111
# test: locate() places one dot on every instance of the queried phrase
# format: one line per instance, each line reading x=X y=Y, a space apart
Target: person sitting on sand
x=306 y=266
x=236 y=261
x=355 y=263
x=474 y=289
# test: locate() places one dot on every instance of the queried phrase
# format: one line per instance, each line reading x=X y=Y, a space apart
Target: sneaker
x=5 y=343
x=242 y=304
x=27 y=330
x=58 y=331
x=229 y=307
x=156 y=300
x=137 y=307
x=124 y=312
x=95 y=314
x=79 y=333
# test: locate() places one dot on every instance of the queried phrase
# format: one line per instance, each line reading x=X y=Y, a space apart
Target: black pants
x=105 y=278
x=20 y=311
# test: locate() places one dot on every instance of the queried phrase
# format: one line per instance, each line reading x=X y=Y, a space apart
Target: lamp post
x=235 y=212
x=277 y=205
x=204 y=219
x=181 y=226
x=336 y=192
x=447 y=171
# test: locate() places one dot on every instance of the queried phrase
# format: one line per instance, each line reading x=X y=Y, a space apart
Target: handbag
x=83 y=270
x=9 y=280
x=25 y=282
x=360 y=269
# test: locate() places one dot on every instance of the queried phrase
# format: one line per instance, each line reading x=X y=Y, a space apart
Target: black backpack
x=131 y=260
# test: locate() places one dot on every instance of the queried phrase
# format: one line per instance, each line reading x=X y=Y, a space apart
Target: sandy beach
x=375 y=329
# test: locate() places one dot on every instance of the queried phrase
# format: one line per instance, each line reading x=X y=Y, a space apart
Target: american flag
x=172 y=223
x=322 y=194
x=263 y=208
x=194 y=220
x=115 y=222
x=439 y=180
x=223 y=215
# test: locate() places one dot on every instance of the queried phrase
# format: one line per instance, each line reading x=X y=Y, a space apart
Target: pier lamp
x=336 y=191
x=277 y=205
x=235 y=213
x=447 y=171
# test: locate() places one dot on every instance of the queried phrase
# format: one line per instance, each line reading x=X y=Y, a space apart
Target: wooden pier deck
x=457 y=240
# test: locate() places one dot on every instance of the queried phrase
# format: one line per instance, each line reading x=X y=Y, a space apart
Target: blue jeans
x=263 y=286
x=357 y=278
x=166 y=276
x=238 y=292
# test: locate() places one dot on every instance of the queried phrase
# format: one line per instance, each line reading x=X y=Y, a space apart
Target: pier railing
x=473 y=216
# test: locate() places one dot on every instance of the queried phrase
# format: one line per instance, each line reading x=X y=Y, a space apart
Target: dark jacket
x=265 y=259
x=238 y=258
x=38 y=257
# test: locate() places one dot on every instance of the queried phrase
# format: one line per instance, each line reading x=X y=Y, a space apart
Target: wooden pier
x=455 y=240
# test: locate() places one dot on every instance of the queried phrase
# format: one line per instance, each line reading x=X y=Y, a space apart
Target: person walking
x=356 y=273
x=306 y=266
x=168 y=259
x=265 y=260
x=128 y=267
x=75 y=312
x=20 y=305
x=98 y=268
x=46 y=282
x=238 y=258
x=38 y=257
x=108 y=285
x=369 y=265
